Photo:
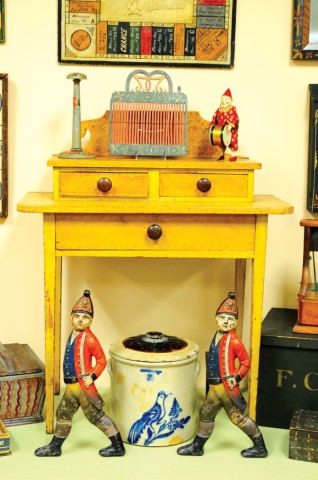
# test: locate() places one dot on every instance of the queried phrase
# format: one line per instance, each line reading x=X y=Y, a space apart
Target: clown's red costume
x=226 y=114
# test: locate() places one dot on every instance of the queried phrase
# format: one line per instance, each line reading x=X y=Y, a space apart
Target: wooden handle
x=204 y=185
x=154 y=232
x=104 y=185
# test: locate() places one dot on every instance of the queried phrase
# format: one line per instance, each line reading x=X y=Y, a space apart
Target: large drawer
x=214 y=185
x=198 y=233
x=103 y=184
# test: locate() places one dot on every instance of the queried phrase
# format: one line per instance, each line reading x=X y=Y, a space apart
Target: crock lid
x=154 y=347
x=154 y=342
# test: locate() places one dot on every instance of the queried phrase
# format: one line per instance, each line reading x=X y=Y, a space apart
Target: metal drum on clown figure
x=220 y=136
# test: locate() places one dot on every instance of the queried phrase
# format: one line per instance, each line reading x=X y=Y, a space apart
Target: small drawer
x=156 y=233
x=103 y=184
x=213 y=185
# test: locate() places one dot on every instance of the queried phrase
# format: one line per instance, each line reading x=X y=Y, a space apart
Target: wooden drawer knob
x=104 y=184
x=154 y=232
x=204 y=185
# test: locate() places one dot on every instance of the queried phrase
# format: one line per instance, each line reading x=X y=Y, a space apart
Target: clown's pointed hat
x=227 y=93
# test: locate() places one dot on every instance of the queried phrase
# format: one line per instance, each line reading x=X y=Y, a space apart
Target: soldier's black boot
x=53 y=449
x=258 y=450
x=116 y=449
x=195 y=448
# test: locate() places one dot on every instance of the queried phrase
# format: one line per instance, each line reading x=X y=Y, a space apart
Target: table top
x=43 y=202
x=155 y=163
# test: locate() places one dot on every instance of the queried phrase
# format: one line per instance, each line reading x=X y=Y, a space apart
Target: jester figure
x=227 y=365
x=79 y=377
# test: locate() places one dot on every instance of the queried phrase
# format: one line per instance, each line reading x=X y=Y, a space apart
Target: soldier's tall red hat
x=228 y=306
x=84 y=304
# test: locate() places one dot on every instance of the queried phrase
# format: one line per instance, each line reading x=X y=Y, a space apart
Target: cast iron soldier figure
x=223 y=378
x=79 y=377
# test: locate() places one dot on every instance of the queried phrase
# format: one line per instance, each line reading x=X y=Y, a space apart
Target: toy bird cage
x=308 y=293
x=148 y=118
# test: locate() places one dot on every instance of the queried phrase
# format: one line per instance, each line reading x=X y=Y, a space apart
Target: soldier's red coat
x=86 y=347
x=231 y=348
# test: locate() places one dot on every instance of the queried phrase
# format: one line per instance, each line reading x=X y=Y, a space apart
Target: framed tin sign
x=3 y=145
x=179 y=33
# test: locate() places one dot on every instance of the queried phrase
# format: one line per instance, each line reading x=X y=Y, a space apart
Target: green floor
x=80 y=459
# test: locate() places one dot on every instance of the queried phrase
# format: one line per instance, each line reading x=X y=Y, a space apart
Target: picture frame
x=3 y=144
x=305 y=28
x=2 y=21
x=176 y=33
x=312 y=182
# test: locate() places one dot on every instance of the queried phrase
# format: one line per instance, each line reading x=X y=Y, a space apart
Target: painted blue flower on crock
x=155 y=423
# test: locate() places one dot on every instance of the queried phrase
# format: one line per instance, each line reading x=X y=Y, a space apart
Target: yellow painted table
x=179 y=208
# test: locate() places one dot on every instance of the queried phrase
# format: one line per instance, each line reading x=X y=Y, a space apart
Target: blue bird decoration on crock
x=156 y=423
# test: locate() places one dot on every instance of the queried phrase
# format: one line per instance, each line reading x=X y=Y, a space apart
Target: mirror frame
x=2 y=22
x=312 y=175
x=301 y=23
x=3 y=145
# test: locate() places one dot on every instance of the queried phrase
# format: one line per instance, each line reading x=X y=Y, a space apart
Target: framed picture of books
x=179 y=33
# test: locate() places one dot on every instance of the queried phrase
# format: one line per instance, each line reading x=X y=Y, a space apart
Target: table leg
x=258 y=274
x=240 y=275
x=50 y=276
x=57 y=316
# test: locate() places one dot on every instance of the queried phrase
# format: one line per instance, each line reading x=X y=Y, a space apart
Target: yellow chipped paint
x=120 y=377
x=143 y=396
x=176 y=440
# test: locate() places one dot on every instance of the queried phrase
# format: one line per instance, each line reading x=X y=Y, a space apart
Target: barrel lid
x=154 y=347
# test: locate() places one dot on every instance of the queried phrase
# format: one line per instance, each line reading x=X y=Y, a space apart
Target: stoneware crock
x=153 y=389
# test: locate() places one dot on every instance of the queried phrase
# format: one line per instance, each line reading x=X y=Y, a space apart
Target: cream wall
x=178 y=297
